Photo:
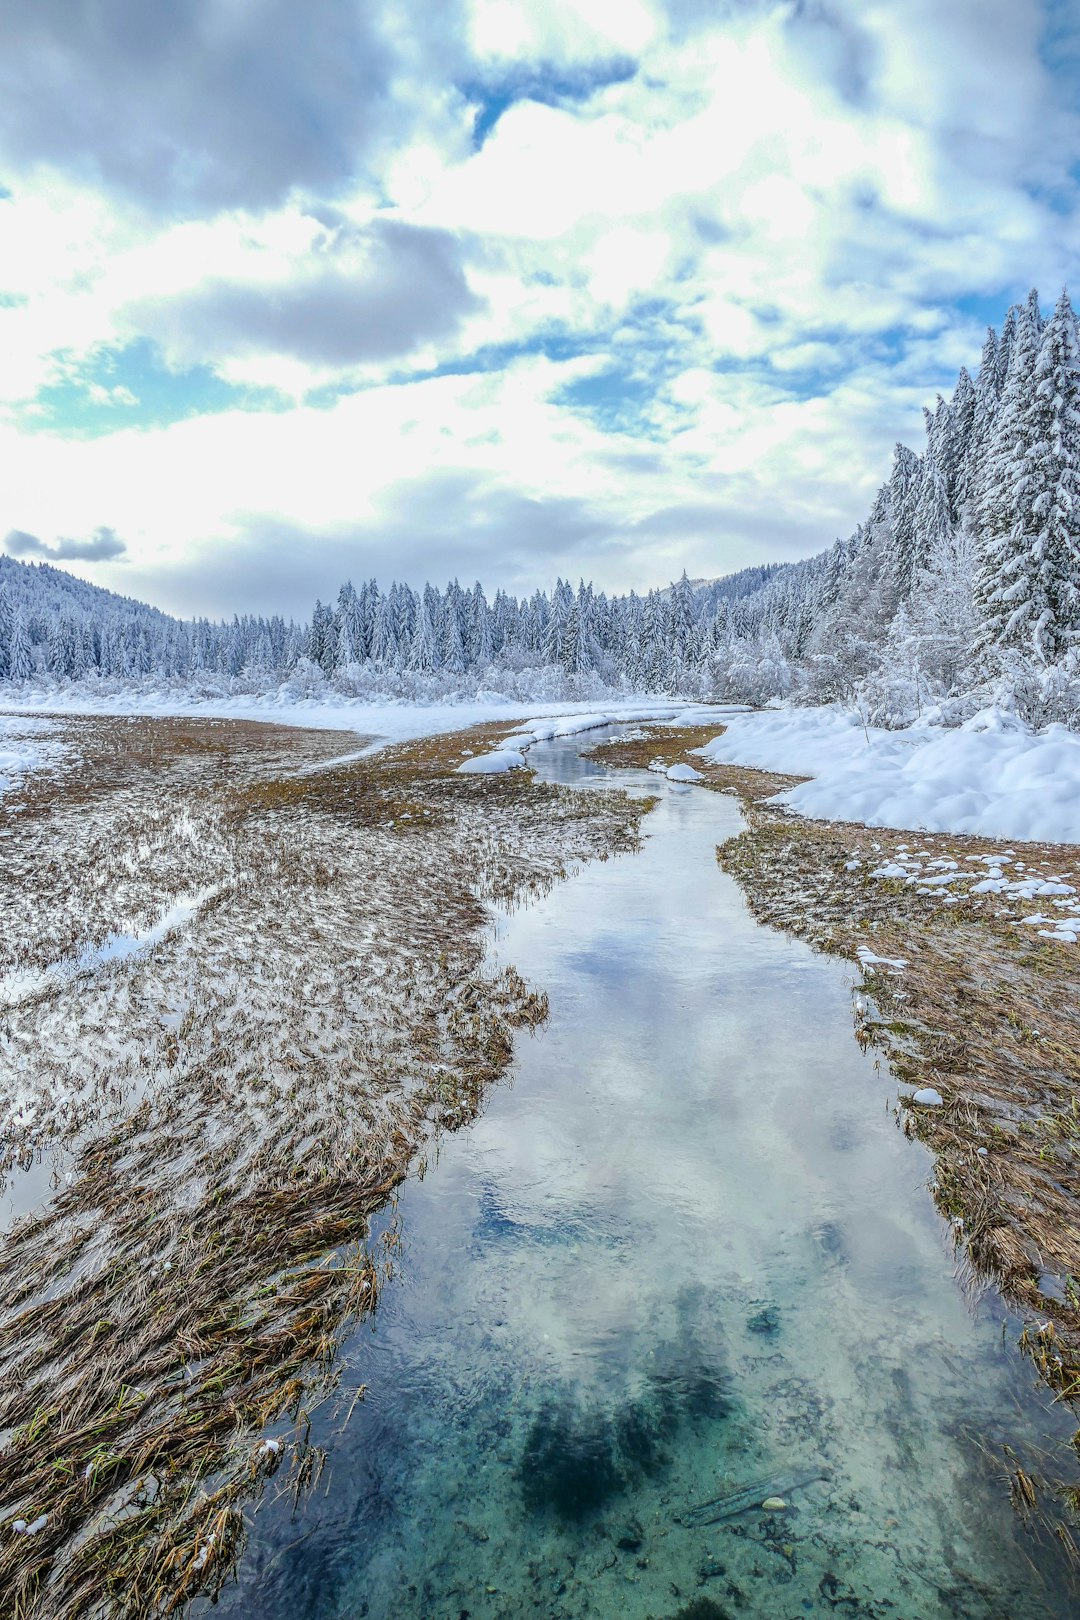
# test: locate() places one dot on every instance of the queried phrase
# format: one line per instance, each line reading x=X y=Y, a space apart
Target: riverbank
x=964 y=998
x=243 y=992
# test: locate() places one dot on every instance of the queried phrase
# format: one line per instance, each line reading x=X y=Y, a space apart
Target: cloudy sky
x=500 y=288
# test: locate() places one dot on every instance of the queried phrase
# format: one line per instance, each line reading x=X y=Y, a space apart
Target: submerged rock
x=774 y=1504
x=766 y=1321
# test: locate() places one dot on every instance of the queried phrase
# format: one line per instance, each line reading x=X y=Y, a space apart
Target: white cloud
x=562 y=32
x=797 y=196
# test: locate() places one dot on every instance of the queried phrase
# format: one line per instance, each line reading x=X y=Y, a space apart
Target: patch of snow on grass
x=24 y=746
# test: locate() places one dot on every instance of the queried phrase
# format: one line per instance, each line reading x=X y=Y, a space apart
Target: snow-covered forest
x=961 y=587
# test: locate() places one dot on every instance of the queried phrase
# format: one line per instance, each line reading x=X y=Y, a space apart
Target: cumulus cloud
x=197 y=105
x=102 y=545
x=388 y=287
x=555 y=316
x=448 y=525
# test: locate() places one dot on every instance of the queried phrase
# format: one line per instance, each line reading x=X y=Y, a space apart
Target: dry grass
x=240 y=1101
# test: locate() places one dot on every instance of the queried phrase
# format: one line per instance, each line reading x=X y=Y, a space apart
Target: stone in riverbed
x=766 y=1321
x=774 y=1504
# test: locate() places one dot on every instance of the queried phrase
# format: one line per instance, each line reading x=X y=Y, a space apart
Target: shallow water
x=685 y=1251
x=21 y=983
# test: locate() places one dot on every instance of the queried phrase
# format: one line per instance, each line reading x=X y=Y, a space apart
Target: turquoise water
x=685 y=1252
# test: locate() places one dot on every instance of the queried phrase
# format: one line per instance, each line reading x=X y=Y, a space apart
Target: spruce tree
x=1045 y=593
x=20 y=659
x=1006 y=523
x=6 y=617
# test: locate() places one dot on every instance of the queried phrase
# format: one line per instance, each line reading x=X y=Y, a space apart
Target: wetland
x=408 y=1231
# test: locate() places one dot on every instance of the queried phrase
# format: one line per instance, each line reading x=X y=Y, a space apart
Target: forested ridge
x=961 y=587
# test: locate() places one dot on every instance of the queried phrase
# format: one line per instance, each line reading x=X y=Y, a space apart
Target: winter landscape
x=539 y=987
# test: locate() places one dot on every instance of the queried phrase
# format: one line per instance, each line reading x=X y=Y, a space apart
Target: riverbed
x=684 y=1263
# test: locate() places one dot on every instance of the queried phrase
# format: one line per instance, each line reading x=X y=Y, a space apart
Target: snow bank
x=502 y=759
x=992 y=777
x=511 y=752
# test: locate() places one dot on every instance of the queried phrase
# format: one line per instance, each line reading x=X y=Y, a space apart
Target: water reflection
x=684 y=1265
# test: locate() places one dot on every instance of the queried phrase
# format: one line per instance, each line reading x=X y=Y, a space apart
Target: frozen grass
x=241 y=1097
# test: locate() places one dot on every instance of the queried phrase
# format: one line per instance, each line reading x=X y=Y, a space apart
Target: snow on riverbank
x=389 y=721
x=991 y=777
x=511 y=751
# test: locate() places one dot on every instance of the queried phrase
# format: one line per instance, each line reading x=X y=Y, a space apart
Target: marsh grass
x=240 y=1102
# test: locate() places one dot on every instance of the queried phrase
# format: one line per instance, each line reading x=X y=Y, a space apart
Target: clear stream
x=684 y=1252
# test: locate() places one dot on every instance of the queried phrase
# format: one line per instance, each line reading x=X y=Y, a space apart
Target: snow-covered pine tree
x=905 y=487
x=1044 y=584
x=422 y=658
x=955 y=441
x=983 y=418
x=1006 y=530
x=932 y=524
x=6 y=616
x=19 y=658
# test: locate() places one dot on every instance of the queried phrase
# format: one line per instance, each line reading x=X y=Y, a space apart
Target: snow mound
x=503 y=759
x=682 y=773
x=991 y=777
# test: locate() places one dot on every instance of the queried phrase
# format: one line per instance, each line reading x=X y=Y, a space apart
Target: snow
x=493 y=764
x=868 y=959
x=992 y=776
x=23 y=747
x=22 y=1528
x=388 y=721
x=927 y=1097
x=510 y=753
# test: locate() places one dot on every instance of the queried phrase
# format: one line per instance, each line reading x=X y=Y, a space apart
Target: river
x=685 y=1252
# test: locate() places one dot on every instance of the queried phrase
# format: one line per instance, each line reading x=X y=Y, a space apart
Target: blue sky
x=604 y=289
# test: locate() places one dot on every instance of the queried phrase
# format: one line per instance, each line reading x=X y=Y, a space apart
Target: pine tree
x=6 y=616
x=20 y=659
x=383 y=639
x=350 y=632
x=1044 y=588
x=904 y=489
x=1003 y=587
x=422 y=647
x=955 y=438
x=453 y=642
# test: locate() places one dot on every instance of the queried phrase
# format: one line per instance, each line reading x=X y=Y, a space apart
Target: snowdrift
x=992 y=777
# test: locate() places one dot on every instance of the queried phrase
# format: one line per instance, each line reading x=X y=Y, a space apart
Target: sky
x=500 y=289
